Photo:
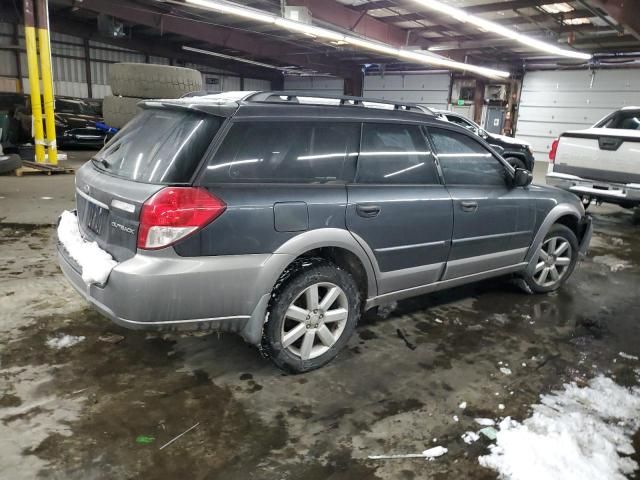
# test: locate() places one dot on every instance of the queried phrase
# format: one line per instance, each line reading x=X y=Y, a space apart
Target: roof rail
x=293 y=97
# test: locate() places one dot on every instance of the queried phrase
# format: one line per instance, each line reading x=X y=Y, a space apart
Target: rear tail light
x=554 y=148
x=174 y=213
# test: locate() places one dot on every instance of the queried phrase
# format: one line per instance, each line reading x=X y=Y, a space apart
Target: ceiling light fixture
x=464 y=17
x=334 y=36
x=557 y=8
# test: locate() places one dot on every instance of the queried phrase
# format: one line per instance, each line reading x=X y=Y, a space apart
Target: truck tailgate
x=605 y=154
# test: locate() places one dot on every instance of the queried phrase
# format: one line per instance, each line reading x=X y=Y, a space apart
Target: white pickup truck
x=601 y=163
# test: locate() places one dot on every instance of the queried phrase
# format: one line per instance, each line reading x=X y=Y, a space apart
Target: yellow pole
x=42 y=23
x=34 y=79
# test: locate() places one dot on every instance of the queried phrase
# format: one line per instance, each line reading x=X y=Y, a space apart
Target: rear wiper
x=102 y=162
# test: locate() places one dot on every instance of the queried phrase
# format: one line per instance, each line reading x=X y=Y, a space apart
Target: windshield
x=73 y=106
x=159 y=146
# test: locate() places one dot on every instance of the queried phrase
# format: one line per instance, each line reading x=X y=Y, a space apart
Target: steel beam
x=202 y=31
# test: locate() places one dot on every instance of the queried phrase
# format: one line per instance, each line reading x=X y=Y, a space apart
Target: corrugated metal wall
x=554 y=102
x=326 y=85
x=69 y=69
x=430 y=89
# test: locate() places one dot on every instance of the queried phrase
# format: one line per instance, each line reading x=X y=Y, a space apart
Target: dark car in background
x=516 y=152
x=75 y=123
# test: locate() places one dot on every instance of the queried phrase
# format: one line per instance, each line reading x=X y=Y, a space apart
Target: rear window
x=622 y=120
x=286 y=152
x=159 y=146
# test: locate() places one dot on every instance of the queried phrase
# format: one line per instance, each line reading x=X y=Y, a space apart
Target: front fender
x=560 y=210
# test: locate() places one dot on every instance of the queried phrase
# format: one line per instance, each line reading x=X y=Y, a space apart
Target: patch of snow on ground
x=470 y=437
x=434 y=452
x=505 y=370
x=64 y=341
x=574 y=434
x=485 y=422
x=628 y=356
x=96 y=264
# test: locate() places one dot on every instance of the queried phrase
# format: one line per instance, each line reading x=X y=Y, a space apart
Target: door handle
x=367 y=211
x=468 y=206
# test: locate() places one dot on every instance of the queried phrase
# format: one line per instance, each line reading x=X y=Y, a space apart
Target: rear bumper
x=606 y=191
x=162 y=291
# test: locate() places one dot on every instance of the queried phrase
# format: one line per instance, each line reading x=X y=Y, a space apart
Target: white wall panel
x=324 y=85
x=256 y=84
x=430 y=89
x=554 y=102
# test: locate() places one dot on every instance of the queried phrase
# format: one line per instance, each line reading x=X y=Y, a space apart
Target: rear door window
x=395 y=154
x=159 y=146
x=286 y=152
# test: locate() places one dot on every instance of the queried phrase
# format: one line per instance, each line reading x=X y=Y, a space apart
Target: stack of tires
x=133 y=82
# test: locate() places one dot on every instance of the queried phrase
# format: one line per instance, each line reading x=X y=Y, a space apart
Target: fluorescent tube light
x=493 y=27
x=229 y=57
x=334 y=36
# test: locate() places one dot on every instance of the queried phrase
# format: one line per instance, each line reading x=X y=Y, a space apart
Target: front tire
x=313 y=313
x=554 y=262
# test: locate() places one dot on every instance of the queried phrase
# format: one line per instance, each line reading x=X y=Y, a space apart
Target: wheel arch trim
x=557 y=212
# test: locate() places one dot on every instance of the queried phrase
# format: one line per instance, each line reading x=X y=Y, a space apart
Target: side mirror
x=522 y=177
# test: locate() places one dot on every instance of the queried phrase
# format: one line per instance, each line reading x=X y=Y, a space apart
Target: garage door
x=430 y=89
x=554 y=102
x=324 y=85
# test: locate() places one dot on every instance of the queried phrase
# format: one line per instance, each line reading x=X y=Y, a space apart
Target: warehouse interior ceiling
x=180 y=30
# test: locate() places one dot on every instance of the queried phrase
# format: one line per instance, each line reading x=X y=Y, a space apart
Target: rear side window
x=159 y=146
x=395 y=154
x=624 y=121
x=464 y=161
x=286 y=152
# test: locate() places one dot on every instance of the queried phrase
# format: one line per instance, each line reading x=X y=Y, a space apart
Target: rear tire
x=554 y=262
x=516 y=163
x=313 y=312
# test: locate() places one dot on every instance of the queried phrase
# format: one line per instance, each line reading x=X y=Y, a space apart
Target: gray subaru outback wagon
x=282 y=217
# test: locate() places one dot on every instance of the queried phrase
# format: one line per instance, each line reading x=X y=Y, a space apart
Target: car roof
x=296 y=104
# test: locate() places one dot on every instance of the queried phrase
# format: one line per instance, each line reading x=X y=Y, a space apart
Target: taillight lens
x=554 y=148
x=175 y=212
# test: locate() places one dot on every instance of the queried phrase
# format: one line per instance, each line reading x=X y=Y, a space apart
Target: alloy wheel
x=553 y=262
x=315 y=320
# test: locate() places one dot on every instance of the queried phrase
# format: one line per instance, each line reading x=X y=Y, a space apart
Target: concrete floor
x=76 y=413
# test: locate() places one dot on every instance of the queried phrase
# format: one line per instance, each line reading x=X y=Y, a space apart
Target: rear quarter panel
x=248 y=226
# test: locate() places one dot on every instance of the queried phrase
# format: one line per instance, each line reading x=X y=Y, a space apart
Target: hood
x=75 y=120
x=510 y=140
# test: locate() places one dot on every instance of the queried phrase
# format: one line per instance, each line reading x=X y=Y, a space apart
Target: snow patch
x=470 y=437
x=96 y=264
x=576 y=433
x=463 y=405
x=485 y=422
x=628 y=356
x=434 y=452
x=64 y=341
x=505 y=370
